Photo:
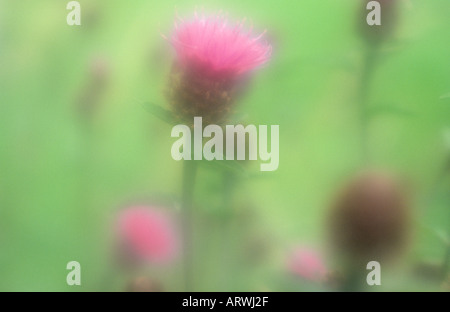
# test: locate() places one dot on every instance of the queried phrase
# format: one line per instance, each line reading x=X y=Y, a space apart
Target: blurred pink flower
x=307 y=263
x=147 y=234
x=211 y=44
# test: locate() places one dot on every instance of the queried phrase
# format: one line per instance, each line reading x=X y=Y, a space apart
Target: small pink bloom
x=307 y=264
x=211 y=44
x=147 y=234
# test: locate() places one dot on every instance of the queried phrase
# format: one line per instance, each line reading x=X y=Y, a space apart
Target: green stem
x=189 y=173
x=364 y=118
x=440 y=178
x=227 y=261
x=446 y=263
x=228 y=188
x=352 y=282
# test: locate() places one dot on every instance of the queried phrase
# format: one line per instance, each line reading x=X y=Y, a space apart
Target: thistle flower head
x=146 y=234
x=307 y=263
x=211 y=44
x=370 y=218
x=213 y=58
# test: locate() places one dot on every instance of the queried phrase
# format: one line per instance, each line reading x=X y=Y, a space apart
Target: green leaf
x=387 y=109
x=160 y=112
x=439 y=233
x=445 y=96
x=231 y=165
x=446 y=139
x=442 y=236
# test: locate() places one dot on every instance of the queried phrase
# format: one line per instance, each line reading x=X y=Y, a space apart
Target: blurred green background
x=77 y=144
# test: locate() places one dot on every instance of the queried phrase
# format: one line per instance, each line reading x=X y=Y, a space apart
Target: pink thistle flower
x=147 y=234
x=307 y=263
x=211 y=43
x=212 y=58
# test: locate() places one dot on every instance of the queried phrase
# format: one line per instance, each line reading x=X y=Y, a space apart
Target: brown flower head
x=370 y=218
x=375 y=34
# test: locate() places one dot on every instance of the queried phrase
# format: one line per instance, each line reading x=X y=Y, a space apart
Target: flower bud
x=370 y=219
x=389 y=18
x=307 y=264
x=146 y=234
x=191 y=94
x=143 y=284
x=90 y=96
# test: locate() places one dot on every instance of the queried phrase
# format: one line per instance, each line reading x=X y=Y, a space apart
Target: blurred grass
x=62 y=176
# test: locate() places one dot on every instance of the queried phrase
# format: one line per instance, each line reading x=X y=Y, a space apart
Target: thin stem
x=227 y=261
x=189 y=173
x=364 y=118
x=353 y=281
x=440 y=178
x=446 y=263
x=228 y=188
